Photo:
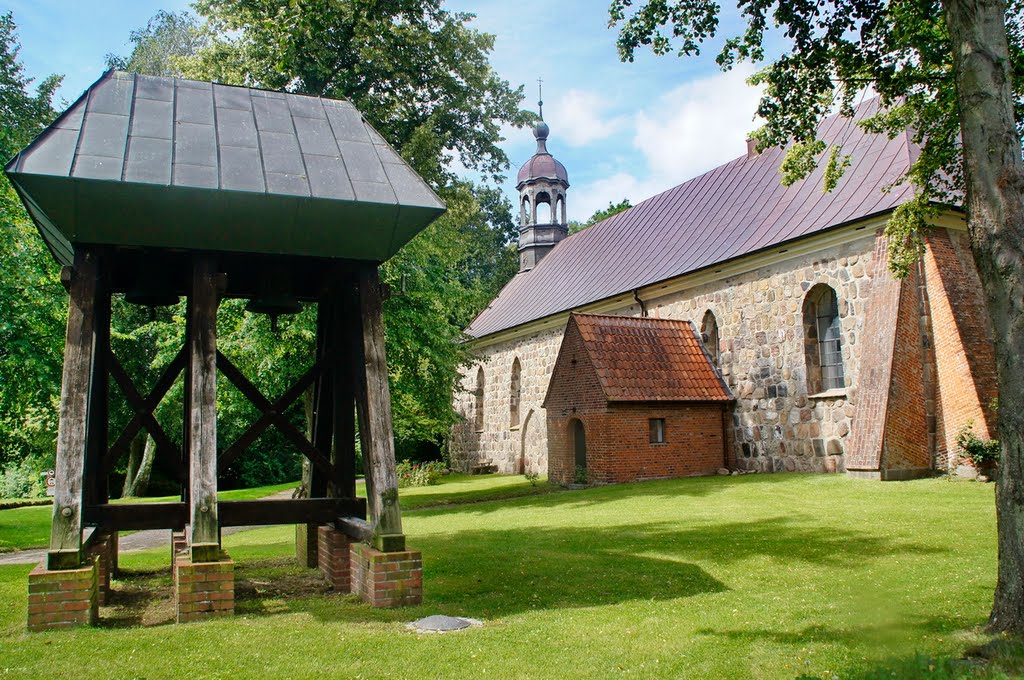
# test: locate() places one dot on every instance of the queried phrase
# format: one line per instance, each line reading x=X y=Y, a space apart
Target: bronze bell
x=151 y=288
x=276 y=298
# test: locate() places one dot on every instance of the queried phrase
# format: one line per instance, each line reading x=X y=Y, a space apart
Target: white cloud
x=580 y=119
x=684 y=132
x=697 y=126
x=587 y=199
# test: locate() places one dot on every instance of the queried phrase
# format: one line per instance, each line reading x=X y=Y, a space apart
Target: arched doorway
x=579 y=447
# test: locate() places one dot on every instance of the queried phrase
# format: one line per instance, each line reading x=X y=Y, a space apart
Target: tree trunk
x=140 y=482
x=135 y=451
x=994 y=176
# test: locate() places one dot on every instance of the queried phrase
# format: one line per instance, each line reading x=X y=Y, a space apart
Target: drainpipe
x=643 y=307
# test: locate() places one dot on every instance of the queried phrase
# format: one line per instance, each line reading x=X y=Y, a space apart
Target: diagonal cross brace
x=272 y=413
x=143 y=408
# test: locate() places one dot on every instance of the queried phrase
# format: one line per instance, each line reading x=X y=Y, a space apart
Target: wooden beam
x=156 y=395
x=354 y=527
x=165 y=446
x=344 y=392
x=289 y=511
x=138 y=516
x=202 y=431
x=271 y=413
x=96 y=482
x=322 y=423
x=373 y=401
x=143 y=516
x=75 y=405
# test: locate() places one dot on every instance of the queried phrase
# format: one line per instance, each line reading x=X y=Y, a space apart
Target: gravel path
x=139 y=540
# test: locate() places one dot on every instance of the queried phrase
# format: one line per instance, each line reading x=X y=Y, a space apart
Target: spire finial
x=540 y=97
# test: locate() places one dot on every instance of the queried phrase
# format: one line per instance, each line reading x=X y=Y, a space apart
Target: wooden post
x=96 y=490
x=75 y=403
x=344 y=393
x=373 y=403
x=202 y=416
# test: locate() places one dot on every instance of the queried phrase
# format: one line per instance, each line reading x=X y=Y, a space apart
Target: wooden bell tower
x=226 y=192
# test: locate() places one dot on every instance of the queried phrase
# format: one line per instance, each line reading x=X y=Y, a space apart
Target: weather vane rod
x=540 y=97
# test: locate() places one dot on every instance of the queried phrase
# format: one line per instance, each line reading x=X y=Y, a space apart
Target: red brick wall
x=906 y=430
x=864 y=444
x=964 y=353
x=574 y=392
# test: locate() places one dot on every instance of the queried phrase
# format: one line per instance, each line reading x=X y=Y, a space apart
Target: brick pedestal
x=104 y=549
x=203 y=590
x=63 y=599
x=393 y=579
x=334 y=558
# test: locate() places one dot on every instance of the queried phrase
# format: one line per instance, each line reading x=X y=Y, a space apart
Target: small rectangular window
x=657 y=430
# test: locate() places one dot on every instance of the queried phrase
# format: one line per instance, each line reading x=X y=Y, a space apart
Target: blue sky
x=622 y=130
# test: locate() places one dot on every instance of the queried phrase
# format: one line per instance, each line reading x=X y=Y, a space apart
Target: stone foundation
x=334 y=558
x=382 y=579
x=63 y=599
x=203 y=590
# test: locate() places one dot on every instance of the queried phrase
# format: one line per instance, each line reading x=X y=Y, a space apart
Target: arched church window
x=478 y=409
x=823 y=351
x=709 y=334
x=515 y=391
x=560 y=211
x=525 y=213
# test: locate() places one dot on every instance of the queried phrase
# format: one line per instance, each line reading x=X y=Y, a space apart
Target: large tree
x=31 y=297
x=950 y=70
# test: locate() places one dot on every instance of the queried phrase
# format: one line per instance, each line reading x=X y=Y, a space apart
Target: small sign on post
x=51 y=483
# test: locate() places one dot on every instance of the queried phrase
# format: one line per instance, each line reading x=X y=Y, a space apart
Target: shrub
x=419 y=474
x=24 y=479
x=581 y=474
x=979 y=451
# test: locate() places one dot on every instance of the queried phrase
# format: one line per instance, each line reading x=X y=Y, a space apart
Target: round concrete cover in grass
x=438 y=623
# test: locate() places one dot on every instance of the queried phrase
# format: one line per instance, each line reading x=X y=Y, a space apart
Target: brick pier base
x=104 y=549
x=334 y=558
x=65 y=598
x=393 y=579
x=203 y=590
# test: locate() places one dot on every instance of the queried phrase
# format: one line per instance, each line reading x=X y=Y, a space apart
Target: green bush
x=419 y=474
x=979 y=451
x=23 y=479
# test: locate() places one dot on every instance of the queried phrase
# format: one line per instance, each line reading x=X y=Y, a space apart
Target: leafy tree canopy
x=899 y=49
x=31 y=297
x=421 y=77
x=602 y=214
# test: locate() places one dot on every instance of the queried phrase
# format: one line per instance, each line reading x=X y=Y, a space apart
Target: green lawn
x=759 y=576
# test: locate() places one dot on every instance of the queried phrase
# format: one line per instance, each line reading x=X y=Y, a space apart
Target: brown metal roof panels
x=734 y=210
x=643 y=359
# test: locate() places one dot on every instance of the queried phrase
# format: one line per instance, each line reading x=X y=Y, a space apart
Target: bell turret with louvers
x=542 y=183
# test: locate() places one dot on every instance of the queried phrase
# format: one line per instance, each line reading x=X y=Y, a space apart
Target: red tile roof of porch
x=644 y=359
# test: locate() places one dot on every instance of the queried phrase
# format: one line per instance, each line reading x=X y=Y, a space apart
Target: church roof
x=737 y=209
x=644 y=359
x=174 y=163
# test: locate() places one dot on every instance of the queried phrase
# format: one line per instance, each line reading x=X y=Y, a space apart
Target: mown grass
x=761 y=576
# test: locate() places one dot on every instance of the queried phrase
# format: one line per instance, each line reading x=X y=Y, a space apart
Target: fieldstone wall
x=514 y=449
x=776 y=424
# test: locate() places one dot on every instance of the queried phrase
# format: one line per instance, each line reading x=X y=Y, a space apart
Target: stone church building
x=827 y=363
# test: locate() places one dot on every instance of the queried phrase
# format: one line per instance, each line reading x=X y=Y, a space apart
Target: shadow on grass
x=998 y=658
x=846 y=635
x=139 y=597
x=444 y=501
x=498 y=573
